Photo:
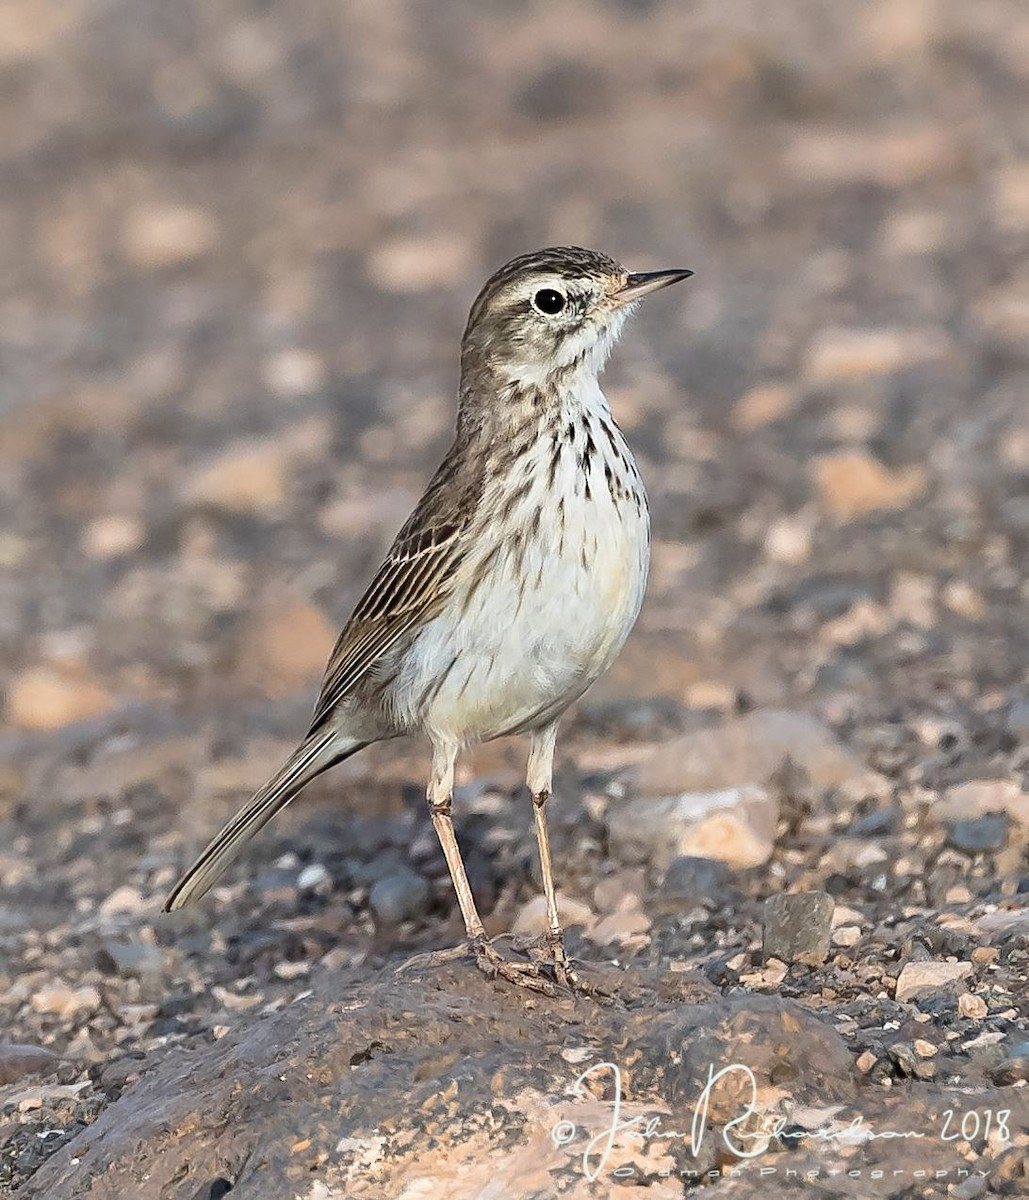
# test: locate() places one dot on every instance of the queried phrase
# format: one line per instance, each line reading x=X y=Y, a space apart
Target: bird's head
x=550 y=314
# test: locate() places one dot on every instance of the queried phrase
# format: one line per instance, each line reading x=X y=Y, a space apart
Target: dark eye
x=548 y=301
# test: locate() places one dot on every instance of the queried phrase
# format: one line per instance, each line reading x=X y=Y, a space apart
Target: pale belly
x=538 y=630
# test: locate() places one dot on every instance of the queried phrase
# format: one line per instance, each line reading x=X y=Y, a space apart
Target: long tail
x=319 y=752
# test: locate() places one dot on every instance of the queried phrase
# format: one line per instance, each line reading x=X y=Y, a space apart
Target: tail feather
x=319 y=752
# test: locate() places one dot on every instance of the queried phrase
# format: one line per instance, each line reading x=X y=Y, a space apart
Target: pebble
x=626 y=926
x=45 y=697
x=749 y=750
x=312 y=876
x=846 y=936
x=166 y=235
x=112 y=536
x=531 y=918
x=64 y=1001
x=851 y=484
x=284 y=646
x=248 y=477
x=400 y=896
x=972 y=1006
x=797 y=927
x=18 y=1060
x=735 y=825
x=691 y=880
x=1018 y=720
x=979 y=835
x=920 y=979
x=128 y=958
x=1014 y=1068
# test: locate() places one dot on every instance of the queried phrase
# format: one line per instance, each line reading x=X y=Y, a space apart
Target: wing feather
x=409 y=589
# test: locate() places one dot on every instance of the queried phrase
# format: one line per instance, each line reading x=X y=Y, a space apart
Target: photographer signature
x=598 y=1148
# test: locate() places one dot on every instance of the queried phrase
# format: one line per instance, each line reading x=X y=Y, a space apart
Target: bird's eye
x=548 y=301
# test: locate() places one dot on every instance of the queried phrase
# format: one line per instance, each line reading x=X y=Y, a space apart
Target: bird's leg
x=539 y=777
x=487 y=957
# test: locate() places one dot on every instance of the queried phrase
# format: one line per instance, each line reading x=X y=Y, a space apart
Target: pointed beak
x=644 y=282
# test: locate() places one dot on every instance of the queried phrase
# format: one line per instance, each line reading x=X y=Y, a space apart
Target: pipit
x=513 y=584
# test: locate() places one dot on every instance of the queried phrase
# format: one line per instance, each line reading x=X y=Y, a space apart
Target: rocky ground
x=790 y=826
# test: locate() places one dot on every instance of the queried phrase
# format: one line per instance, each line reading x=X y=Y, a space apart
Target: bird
x=511 y=587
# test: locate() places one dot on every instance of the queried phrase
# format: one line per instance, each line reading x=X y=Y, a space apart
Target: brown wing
x=409 y=588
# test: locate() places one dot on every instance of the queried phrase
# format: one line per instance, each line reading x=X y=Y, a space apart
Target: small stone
x=1012 y=1070
x=924 y=1049
x=971 y=1006
x=400 y=896
x=167 y=235
x=838 y=355
x=295 y=372
x=788 y=540
x=128 y=958
x=734 y=825
x=797 y=927
x=531 y=919
x=750 y=749
x=64 y=1001
x=866 y=1060
x=961 y=598
x=691 y=881
x=920 y=979
x=851 y=484
x=48 y=697
x=1018 y=719
x=112 y=536
x=980 y=835
x=409 y=265
x=124 y=899
x=762 y=406
x=18 y=1060
x=626 y=926
x=312 y=876
x=248 y=477
x=284 y=646
x=846 y=936
x=979 y=797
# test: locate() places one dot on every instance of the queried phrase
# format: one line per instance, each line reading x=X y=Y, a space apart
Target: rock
x=851 y=483
x=1012 y=1069
x=980 y=835
x=749 y=750
x=64 y=1001
x=320 y=1073
x=124 y=899
x=735 y=825
x=400 y=896
x=971 y=1006
x=838 y=355
x=284 y=647
x=112 y=536
x=797 y=926
x=918 y=980
x=168 y=235
x=531 y=919
x=50 y=697
x=18 y=1060
x=314 y=875
x=978 y=797
x=248 y=477
x=762 y=406
x=626 y=926
x=128 y=959
x=846 y=936
x=295 y=372
x=411 y=265
x=691 y=881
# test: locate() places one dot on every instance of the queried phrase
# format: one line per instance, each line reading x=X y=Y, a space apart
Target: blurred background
x=238 y=242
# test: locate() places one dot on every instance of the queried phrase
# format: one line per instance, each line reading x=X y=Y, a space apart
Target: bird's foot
x=568 y=977
x=531 y=975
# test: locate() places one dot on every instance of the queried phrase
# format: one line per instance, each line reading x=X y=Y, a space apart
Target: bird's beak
x=643 y=283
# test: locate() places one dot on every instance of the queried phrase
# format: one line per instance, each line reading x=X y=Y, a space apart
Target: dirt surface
x=238 y=243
